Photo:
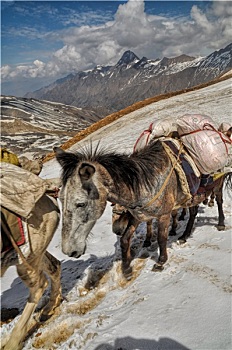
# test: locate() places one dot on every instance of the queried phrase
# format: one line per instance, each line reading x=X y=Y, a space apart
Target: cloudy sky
x=45 y=40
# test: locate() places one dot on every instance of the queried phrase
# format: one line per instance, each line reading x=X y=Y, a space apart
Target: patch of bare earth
x=62 y=326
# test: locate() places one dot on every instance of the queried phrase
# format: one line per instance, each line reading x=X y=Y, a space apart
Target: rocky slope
x=35 y=126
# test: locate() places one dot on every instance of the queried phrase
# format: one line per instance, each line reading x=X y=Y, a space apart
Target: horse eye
x=81 y=205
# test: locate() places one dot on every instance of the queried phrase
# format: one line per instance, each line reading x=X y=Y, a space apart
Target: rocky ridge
x=111 y=88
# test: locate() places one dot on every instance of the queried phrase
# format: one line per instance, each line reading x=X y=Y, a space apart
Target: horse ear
x=66 y=159
x=58 y=151
x=86 y=171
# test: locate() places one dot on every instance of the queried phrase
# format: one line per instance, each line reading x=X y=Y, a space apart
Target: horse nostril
x=74 y=254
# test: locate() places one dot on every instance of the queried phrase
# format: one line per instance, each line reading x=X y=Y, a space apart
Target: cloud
x=147 y=35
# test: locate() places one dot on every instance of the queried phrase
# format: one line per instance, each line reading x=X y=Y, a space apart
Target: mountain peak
x=127 y=57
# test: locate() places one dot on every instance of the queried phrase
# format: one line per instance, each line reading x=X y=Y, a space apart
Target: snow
x=187 y=306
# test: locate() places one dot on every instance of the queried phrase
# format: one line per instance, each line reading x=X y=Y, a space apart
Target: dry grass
x=112 y=117
x=64 y=330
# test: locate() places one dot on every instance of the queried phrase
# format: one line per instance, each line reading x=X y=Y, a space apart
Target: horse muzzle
x=72 y=248
x=76 y=254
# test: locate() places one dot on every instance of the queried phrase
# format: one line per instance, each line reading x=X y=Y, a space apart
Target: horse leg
x=211 y=201
x=182 y=215
x=52 y=267
x=221 y=217
x=163 y=224
x=192 y=214
x=3 y=270
x=147 y=241
x=37 y=282
x=174 y=223
x=125 y=242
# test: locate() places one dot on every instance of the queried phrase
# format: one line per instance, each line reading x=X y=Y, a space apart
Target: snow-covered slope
x=186 y=307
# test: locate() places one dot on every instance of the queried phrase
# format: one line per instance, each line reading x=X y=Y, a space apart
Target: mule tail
x=228 y=181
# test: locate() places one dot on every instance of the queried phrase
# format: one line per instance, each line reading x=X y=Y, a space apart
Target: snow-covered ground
x=187 y=306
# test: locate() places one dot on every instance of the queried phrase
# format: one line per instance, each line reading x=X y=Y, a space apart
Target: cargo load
x=159 y=128
x=209 y=148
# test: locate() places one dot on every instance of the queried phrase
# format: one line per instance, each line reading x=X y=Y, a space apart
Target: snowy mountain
x=184 y=307
x=128 y=58
x=112 y=88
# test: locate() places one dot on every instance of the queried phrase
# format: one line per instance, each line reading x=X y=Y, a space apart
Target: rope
x=166 y=180
x=5 y=228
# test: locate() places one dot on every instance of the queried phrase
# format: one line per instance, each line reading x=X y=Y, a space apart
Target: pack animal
x=144 y=182
x=34 y=269
x=122 y=219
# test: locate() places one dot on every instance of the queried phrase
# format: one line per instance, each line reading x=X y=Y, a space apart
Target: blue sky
x=42 y=41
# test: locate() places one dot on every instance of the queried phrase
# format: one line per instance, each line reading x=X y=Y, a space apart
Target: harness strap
x=166 y=180
x=15 y=246
x=218 y=175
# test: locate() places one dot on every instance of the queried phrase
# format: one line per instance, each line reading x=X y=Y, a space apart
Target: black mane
x=135 y=170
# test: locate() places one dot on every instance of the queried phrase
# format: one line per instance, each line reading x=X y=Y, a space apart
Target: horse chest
x=144 y=215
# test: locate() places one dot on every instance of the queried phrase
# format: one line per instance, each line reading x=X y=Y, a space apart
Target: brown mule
x=121 y=218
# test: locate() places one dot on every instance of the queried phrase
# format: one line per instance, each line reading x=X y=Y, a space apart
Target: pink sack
x=208 y=148
x=162 y=127
x=224 y=127
x=191 y=122
x=157 y=129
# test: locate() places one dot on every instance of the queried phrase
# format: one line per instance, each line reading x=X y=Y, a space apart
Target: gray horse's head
x=83 y=198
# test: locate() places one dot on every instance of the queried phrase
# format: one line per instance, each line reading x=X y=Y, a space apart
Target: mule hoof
x=181 y=218
x=44 y=317
x=157 y=267
x=221 y=227
x=181 y=240
x=146 y=244
x=172 y=233
x=144 y=255
x=210 y=204
x=127 y=273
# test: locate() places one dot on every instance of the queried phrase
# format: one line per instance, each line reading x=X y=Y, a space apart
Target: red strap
x=191 y=132
x=224 y=138
x=143 y=133
x=21 y=229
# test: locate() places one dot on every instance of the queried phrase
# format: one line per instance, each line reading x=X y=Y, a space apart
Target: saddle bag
x=208 y=147
x=159 y=128
x=9 y=157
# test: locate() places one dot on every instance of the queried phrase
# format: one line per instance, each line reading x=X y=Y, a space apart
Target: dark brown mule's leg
x=125 y=242
x=211 y=201
x=149 y=234
x=174 y=223
x=192 y=214
x=182 y=215
x=221 y=216
x=120 y=222
x=163 y=225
